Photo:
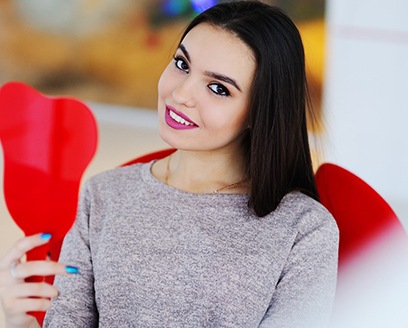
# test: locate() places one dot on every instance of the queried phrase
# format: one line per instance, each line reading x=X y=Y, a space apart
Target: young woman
x=225 y=232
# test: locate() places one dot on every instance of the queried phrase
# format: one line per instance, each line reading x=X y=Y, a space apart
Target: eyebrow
x=223 y=78
x=217 y=76
x=185 y=52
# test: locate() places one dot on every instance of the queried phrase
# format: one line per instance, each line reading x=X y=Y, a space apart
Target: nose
x=184 y=93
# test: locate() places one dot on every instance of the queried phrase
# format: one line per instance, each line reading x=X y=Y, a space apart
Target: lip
x=176 y=125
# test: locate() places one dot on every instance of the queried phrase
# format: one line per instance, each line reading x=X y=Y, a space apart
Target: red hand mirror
x=47 y=144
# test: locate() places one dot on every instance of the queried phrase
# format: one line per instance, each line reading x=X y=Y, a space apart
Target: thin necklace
x=216 y=191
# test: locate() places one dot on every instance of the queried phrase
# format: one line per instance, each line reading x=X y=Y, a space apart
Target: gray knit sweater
x=154 y=256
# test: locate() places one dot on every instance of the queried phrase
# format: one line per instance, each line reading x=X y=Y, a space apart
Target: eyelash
x=179 y=59
x=179 y=62
x=223 y=93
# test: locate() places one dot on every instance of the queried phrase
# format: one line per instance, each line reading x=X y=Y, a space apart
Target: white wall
x=366 y=95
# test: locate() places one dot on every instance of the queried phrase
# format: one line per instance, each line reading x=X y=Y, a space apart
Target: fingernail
x=46 y=236
x=71 y=269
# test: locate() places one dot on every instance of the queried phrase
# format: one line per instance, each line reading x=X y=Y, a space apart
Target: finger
x=23 y=305
x=26 y=290
x=42 y=268
x=21 y=247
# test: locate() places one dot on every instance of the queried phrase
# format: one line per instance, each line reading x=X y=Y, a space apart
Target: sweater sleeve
x=305 y=292
x=75 y=306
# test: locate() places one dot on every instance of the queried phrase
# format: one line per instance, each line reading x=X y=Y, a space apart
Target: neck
x=203 y=172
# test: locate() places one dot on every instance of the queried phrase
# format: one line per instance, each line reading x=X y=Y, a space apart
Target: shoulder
x=121 y=178
x=117 y=173
x=307 y=214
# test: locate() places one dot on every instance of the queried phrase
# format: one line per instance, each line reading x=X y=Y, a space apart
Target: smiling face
x=204 y=92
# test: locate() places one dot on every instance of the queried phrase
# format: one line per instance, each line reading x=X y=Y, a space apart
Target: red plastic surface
x=361 y=213
x=47 y=144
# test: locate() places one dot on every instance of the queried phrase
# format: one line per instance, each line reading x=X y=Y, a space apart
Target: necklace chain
x=216 y=191
x=232 y=185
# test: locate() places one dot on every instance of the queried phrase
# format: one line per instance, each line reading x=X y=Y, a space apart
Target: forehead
x=214 y=49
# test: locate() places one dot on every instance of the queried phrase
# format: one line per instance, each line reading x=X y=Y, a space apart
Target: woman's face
x=204 y=92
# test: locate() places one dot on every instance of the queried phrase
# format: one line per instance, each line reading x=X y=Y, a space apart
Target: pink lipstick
x=178 y=120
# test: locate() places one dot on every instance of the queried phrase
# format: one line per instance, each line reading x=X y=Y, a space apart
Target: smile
x=177 y=120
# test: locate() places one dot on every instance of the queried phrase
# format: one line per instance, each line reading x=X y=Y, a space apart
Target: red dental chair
x=373 y=254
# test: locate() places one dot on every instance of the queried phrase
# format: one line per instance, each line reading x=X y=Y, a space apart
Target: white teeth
x=179 y=119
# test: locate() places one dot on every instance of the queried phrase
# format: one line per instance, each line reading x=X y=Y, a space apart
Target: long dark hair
x=276 y=146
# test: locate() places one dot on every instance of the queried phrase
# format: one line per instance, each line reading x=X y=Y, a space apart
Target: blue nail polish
x=71 y=269
x=46 y=236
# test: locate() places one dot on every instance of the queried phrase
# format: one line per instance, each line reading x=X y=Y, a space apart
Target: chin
x=167 y=136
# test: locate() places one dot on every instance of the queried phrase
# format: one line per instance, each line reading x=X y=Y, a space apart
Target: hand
x=17 y=296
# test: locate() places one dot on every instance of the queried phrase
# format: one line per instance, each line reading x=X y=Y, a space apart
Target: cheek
x=160 y=85
x=234 y=117
x=164 y=85
x=239 y=124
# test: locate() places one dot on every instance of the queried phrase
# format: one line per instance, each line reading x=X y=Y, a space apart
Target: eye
x=219 y=89
x=181 y=64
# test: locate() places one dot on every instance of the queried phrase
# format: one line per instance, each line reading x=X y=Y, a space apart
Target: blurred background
x=111 y=53
x=114 y=51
